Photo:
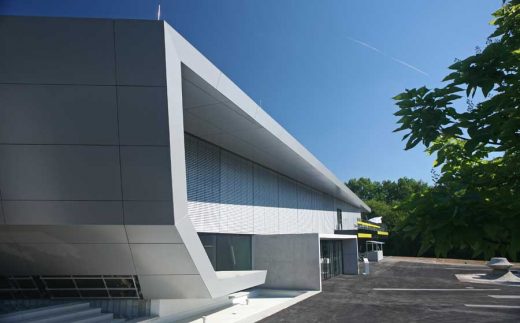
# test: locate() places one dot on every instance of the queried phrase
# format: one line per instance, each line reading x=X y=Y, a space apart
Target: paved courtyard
x=397 y=291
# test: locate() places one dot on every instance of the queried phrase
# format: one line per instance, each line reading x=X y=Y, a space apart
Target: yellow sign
x=368 y=224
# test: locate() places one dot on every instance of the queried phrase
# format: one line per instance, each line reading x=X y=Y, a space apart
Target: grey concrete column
x=350 y=257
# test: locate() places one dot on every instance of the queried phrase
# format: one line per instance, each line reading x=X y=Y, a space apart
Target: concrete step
x=67 y=313
x=97 y=318
x=239 y=298
x=65 y=317
x=144 y=319
x=27 y=315
x=118 y=321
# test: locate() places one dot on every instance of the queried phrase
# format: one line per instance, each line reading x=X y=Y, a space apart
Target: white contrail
x=362 y=43
x=395 y=59
x=159 y=12
x=409 y=66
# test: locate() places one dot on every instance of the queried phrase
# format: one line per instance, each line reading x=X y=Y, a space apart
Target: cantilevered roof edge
x=199 y=64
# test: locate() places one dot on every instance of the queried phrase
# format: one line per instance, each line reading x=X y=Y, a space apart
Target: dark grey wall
x=84 y=140
x=83 y=121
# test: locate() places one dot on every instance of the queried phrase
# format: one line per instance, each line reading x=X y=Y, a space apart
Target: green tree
x=475 y=203
x=385 y=199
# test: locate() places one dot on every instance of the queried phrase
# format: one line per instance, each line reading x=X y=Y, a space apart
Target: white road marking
x=505 y=296
x=492 y=306
x=436 y=289
x=468 y=269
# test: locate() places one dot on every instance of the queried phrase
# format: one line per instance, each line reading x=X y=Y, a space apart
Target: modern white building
x=132 y=168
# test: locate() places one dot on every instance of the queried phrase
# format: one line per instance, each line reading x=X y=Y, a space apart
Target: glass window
x=233 y=252
x=120 y=283
x=209 y=241
x=339 y=215
x=228 y=251
x=331 y=258
x=94 y=293
x=90 y=283
x=60 y=283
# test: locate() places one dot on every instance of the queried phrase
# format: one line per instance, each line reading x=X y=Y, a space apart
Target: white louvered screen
x=329 y=214
x=203 y=183
x=305 y=212
x=266 y=201
x=288 y=202
x=227 y=193
x=236 y=210
x=316 y=205
x=350 y=219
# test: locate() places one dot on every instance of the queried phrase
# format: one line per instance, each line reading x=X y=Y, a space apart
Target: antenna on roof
x=159 y=12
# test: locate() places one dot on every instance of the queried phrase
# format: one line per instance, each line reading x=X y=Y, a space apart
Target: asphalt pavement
x=407 y=292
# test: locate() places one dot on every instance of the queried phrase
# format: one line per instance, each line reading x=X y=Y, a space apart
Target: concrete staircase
x=63 y=313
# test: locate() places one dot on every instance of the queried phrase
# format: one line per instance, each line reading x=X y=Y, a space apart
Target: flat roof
x=331 y=236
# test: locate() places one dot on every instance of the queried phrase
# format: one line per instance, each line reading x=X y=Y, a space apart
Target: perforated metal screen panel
x=236 y=209
x=230 y=194
x=266 y=201
x=288 y=201
x=203 y=181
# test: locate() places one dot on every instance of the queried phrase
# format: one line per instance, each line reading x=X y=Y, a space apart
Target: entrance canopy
x=325 y=236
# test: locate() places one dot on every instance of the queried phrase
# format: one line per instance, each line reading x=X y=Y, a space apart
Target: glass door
x=331 y=258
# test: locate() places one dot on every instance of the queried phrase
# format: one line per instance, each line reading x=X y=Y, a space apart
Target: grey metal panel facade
x=58 y=114
x=56 y=51
x=139 y=124
x=140 y=52
x=146 y=173
x=157 y=212
x=59 y=212
x=85 y=151
x=104 y=200
x=60 y=173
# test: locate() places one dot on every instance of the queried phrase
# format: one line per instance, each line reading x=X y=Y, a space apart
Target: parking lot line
x=468 y=269
x=492 y=306
x=505 y=296
x=436 y=289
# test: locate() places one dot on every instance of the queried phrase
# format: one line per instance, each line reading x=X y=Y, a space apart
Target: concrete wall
x=231 y=194
x=292 y=261
x=173 y=310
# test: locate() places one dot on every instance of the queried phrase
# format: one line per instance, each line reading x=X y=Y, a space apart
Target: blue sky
x=325 y=70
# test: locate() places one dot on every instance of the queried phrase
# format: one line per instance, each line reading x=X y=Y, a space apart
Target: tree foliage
x=475 y=203
x=385 y=199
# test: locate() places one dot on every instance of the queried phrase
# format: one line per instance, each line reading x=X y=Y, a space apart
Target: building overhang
x=331 y=236
x=218 y=111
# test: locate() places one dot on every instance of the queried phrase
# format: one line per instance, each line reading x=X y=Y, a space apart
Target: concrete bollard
x=366 y=266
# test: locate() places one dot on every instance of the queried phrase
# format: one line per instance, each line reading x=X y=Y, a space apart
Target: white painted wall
x=230 y=194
